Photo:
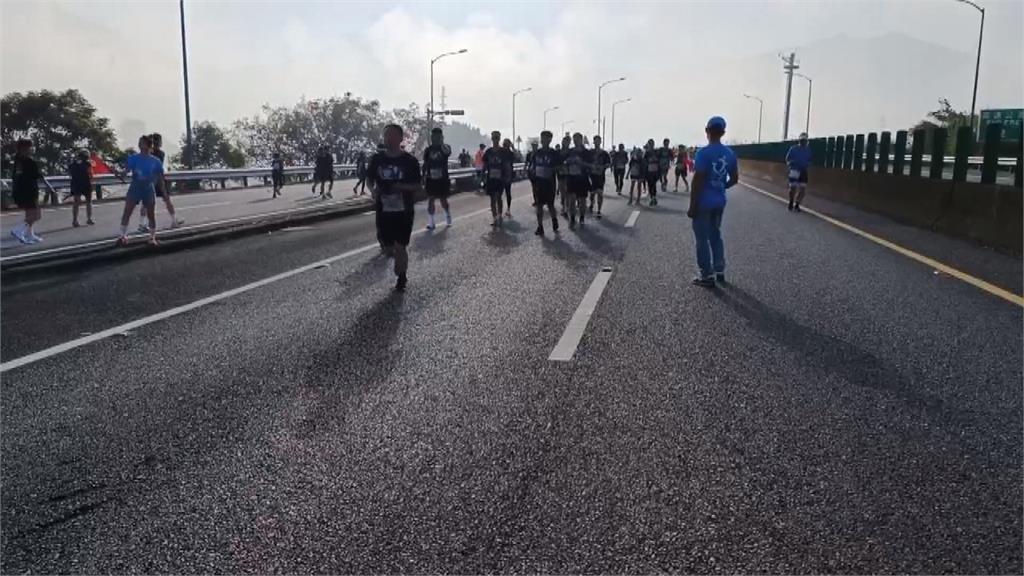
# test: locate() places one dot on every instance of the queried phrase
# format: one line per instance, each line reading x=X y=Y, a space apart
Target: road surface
x=837 y=407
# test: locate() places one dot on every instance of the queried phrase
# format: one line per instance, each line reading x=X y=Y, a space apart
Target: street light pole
x=760 y=113
x=614 y=104
x=188 y=110
x=552 y=109
x=430 y=113
x=599 y=100
x=810 y=84
x=514 y=94
x=977 y=63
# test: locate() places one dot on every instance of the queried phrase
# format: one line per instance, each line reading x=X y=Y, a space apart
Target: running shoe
x=177 y=222
x=720 y=277
x=121 y=241
x=90 y=222
x=400 y=284
x=540 y=231
x=708 y=282
x=31 y=238
x=142 y=229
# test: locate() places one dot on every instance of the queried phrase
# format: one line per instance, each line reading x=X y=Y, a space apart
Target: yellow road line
x=945 y=269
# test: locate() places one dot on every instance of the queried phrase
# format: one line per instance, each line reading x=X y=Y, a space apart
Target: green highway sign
x=1010 y=118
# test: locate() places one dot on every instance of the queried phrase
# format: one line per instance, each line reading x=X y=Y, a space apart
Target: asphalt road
x=836 y=407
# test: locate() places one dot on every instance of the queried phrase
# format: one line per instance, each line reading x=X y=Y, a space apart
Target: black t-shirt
x=384 y=171
x=601 y=161
x=652 y=163
x=664 y=157
x=324 y=163
x=81 y=174
x=277 y=165
x=25 y=176
x=577 y=161
x=435 y=162
x=620 y=159
x=496 y=161
x=545 y=163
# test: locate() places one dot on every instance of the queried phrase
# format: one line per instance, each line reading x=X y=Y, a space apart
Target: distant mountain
x=459 y=136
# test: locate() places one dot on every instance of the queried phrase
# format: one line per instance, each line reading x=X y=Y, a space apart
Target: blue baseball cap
x=716 y=122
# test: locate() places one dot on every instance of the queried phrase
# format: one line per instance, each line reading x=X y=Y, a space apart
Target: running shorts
x=142 y=193
x=597 y=182
x=438 y=188
x=797 y=176
x=395 y=227
x=544 y=191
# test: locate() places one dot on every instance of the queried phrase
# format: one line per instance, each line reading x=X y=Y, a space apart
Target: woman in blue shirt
x=798 y=160
x=147 y=175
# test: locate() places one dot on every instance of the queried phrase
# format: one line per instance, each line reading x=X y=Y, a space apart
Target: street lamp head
x=463 y=51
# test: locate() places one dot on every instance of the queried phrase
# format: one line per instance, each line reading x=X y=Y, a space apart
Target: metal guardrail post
x=818 y=147
x=916 y=152
x=899 y=152
x=869 y=154
x=839 y=153
x=990 y=154
x=830 y=150
x=938 y=159
x=858 y=152
x=884 y=148
x=964 y=141
x=848 y=152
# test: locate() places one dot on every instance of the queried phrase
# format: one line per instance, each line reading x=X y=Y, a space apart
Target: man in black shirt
x=465 y=160
x=652 y=171
x=543 y=164
x=563 y=193
x=619 y=161
x=494 y=162
x=323 y=172
x=578 y=164
x=510 y=158
x=25 y=176
x=394 y=177
x=601 y=162
x=276 y=173
x=435 y=176
x=664 y=161
x=80 y=171
x=360 y=175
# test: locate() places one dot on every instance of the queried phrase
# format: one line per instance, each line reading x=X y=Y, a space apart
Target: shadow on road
x=430 y=243
x=855 y=365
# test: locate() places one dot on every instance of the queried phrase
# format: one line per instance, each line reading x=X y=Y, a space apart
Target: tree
x=211 y=148
x=945 y=117
x=58 y=123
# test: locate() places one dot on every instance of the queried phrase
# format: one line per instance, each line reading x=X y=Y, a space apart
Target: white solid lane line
x=570 y=340
x=97 y=336
x=632 y=219
x=180 y=208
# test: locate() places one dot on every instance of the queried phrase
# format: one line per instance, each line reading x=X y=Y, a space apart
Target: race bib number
x=653 y=167
x=794 y=174
x=436 y=174
x=543 y=171
x=634 y=171
x=392 y=202
x=575 y=170
x=495 y=173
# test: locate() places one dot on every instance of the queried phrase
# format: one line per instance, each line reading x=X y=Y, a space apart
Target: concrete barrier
x=990 y=214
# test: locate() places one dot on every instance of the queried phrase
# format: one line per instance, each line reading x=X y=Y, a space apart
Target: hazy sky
x=876 y=64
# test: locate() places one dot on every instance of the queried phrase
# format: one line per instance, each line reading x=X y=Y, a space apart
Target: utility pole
x=444 y=104
x=789 y=66
x=188 y=111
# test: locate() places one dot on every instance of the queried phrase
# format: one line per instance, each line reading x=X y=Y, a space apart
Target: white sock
x=447 y=216
x=124 y=230
x=431 y=218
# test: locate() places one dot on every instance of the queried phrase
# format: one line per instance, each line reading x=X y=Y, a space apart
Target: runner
x=147 y=175
x=360 y=188
x=529 y=165
x=545 y=162
x=323 y=172
x=578 y=163
x=682 y=167
x=277 y=173
x=798 y=159
x=652 y=171
x=560 y=172
x=664 y=162
x=164 y=191
x=601 y=160
x=465 y=160
x=494 y=161
x=478 y=163
x=636 y=175
x=435 y=175
x=507 y=167
x=619 y=161
x=25 y=176
x=715 y=172
x=81 y=186
x=394 y=177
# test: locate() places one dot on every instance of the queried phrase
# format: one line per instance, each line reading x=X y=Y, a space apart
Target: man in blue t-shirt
x=798 y=160
x=715 y=171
